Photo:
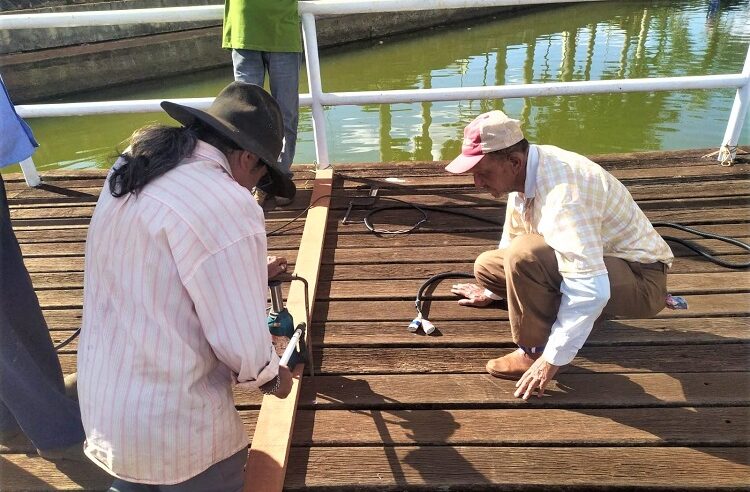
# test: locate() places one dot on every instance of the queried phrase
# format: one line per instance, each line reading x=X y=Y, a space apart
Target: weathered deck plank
x=485 y=468
x=498 y=427
x=664 y=331
x=700 y=306
x=622 y=359
x=571 y=390
x=67 y=288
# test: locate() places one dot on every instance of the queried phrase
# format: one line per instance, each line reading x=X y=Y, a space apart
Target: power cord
x=706 y=235
x=421 y=209
x=276 y=231
x=685 y=242
x=420 y=321
x=67 y=340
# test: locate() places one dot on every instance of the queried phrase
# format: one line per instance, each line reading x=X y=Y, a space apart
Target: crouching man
x=574 y=245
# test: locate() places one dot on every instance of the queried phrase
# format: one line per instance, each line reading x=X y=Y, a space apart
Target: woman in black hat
x=175 y=287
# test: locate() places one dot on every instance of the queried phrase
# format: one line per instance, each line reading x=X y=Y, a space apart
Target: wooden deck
x=661 y=403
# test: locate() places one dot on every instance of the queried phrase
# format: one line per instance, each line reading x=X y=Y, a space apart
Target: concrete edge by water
x=46 y=74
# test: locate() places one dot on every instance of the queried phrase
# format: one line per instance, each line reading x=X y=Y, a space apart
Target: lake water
x=593 y=41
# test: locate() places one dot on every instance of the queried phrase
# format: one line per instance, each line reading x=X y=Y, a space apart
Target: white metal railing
x=317 y=98
x=216 y=12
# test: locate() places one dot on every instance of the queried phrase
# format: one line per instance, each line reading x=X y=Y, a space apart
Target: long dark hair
x=155 y=149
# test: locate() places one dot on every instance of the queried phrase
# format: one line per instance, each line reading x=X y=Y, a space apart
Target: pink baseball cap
x=487 y=133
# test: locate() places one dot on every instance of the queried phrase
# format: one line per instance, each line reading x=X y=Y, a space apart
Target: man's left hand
x=537 y=376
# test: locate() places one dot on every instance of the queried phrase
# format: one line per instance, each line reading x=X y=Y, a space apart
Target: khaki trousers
x=527 y=275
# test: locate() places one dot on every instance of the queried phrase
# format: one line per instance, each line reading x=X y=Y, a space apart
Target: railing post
x=312 y=62
x=728 y=148
x=30 y=173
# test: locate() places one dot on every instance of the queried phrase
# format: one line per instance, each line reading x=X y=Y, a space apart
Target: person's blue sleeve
x=16 y=140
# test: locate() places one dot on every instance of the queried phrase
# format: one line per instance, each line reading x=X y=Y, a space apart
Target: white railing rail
x=317 y=98
x=216 y=12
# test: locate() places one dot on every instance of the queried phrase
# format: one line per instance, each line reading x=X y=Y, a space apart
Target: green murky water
x=603 y=40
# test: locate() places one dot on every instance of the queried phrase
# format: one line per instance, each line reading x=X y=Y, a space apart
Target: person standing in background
x=32 y=392
x=264 y=36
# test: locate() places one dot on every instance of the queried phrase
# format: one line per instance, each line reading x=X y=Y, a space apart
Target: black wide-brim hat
x=248 y=116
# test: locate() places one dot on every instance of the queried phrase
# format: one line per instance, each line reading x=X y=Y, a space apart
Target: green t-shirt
x=262 y=25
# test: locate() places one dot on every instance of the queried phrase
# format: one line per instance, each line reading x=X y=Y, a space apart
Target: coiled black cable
x=685 y=242
x=422 y=209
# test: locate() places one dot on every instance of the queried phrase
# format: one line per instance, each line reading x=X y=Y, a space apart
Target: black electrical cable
x=436 y=278
x=688 y=244
x=296 y=217
x=692 y=246
x=422 y=209
x=67 y=340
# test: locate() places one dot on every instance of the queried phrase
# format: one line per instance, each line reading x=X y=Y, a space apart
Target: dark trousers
x=227 y=475
x=32 y=393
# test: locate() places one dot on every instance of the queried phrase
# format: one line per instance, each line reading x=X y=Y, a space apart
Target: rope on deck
x=726 y=154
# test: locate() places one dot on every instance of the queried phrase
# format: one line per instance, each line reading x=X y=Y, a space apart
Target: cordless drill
x=281 y=326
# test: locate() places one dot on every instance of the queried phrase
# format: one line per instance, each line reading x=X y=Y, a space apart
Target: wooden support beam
x=267 y=461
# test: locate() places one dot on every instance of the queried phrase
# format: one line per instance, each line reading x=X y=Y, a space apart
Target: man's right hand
x=473 y=295
x=285 y=385
x=276 y=265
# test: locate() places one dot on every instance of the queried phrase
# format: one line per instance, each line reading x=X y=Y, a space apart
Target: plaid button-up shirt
x=584 y=214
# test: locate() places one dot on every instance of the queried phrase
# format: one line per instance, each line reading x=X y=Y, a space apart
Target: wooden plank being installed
x=267 y=460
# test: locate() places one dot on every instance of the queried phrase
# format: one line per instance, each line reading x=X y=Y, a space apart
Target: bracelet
x=273 y=389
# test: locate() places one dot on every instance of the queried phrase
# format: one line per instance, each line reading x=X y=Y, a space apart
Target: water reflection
x=603 y=40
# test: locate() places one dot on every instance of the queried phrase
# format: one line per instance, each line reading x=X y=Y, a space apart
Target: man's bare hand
x=276 y=265
x=285 y=385
x=473 y=295
x=537 y=376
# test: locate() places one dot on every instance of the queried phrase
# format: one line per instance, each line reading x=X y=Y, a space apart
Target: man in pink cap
x=574 y=246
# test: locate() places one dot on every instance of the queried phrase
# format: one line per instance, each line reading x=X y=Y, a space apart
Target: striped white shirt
x=174 y=310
